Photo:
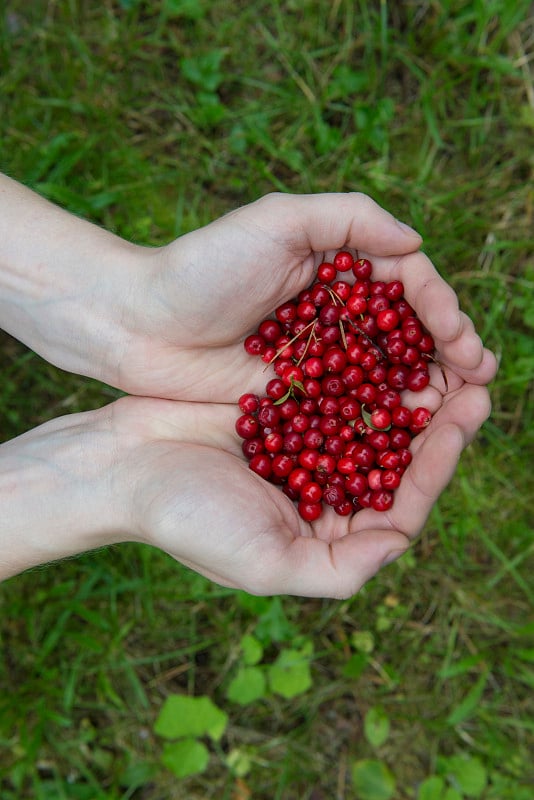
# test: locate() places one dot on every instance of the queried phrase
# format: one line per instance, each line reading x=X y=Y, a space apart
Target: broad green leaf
x=372 y=780
x=355 y=665
x=452 y=794
x=204 y=70
x=431 y=788
x=182 y=715
x=248 y=685
x=363 y=641
x=186 y=757
x=290 y=674
x=376 y=726
x=469 y=774
x=252 y=650
x=273 y=624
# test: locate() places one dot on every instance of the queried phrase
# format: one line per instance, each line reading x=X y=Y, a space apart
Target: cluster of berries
x=332 y=428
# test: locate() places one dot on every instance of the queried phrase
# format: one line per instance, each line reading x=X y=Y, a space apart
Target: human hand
x=207 y=290
x=194 y=301
x=194 y=497
x=172 y=475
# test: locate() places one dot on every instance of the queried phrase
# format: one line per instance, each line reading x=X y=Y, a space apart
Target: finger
x=321 y=222
x=311 y=567
x=427 y=292
x=436 y=453
x=482 y=374
x=427 y=476
x=467 y=408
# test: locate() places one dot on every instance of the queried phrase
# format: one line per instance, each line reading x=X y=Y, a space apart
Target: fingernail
x=406 y=229
x=392 y=556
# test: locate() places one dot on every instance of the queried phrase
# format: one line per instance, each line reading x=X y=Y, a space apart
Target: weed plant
x=153 y=118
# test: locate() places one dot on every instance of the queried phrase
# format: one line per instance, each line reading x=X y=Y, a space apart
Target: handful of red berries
x=332 y=427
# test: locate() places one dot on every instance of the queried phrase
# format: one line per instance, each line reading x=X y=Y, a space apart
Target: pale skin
x=166 y=325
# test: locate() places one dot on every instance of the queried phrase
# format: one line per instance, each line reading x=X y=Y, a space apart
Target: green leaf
x=470 y=702
x=469 y=773
x=452 y=794
x=376 y=726
x=363 y=641
x=182 y=715
x=355 y=665
x=186 y=757
x=431 y=788
x=204 y=69
x=273 y=624
x=372 y=780
x=248 y=685
x=252 y=650
x=290 y=674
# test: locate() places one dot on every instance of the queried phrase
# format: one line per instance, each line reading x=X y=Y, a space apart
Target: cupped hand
x=193 y=301
x=193 y=496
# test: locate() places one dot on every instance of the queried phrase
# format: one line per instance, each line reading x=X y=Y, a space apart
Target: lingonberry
x=387 y=319
x=356 y=305
x=333 y=495
x=287 y=312
x=269 y=330
x=255 y=344
x=331 y=428
x=298 y=477
x=362 y=268
x=308 y=458
x=417 y=380
x=282 y=464
x=252 y=447
x=247 y=426
x=401 y=416
x=381 y=500
x=261 y=464
x=420 y=418
x=343 y=261
x=269 y=416
x=342 y=290
x=311 y=492
x=326 y=272
x=249 y=403
x=394 y=290
x=309 y=511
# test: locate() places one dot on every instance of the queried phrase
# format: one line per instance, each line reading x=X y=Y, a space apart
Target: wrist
x=64 y=283
x=57 y=492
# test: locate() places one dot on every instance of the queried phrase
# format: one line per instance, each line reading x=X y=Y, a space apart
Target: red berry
x=381 y=500
x=387 y=319
x=282 y=464
x=420 y=419
x=261 y=465
x=270 y=330
x=362 y=269
x=248 y=403
x=255 y=344
x=309 y=511
x=247 y=426
x=326 y=272
x=333 y=495
x=343 y=261
x=286 y=313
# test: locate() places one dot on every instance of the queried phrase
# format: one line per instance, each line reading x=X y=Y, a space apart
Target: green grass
x=152 y=118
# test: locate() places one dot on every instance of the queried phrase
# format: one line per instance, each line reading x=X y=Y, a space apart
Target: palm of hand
x=202 y=504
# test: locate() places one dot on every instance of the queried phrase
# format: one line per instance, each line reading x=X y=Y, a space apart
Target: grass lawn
x=151 y=119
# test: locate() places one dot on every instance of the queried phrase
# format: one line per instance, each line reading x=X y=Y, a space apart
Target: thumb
x=338 y=569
